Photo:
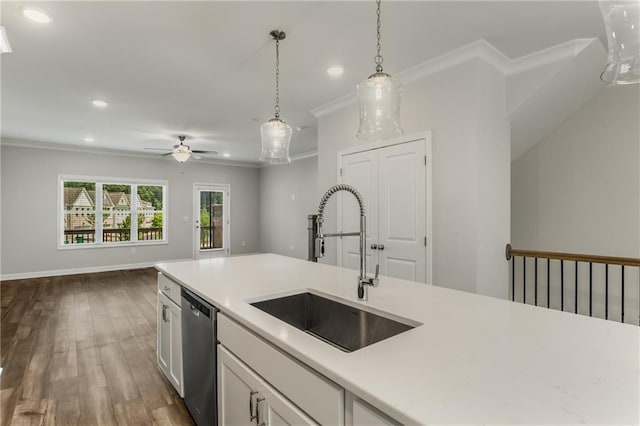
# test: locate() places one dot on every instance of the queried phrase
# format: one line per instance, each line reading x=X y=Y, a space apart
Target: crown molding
x=29 y=144
x=550 y=55
x=301 y=156
x=479 y=49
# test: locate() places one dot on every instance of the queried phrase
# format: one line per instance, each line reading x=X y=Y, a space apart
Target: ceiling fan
x=182 y=152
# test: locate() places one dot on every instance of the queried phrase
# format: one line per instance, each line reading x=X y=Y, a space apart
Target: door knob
x=374 y=246
x=380 y=246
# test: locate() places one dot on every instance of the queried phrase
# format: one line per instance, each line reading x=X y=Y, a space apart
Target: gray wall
x=29 y=207
x=578 y=189
x=287 y=196
x=464 y=107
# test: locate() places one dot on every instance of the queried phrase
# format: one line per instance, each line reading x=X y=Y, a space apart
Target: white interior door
x=211 y=221
x=393 y=182
x=359 y=170
x=402 y=211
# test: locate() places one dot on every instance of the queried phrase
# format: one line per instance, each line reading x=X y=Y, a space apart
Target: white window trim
x=99 y=211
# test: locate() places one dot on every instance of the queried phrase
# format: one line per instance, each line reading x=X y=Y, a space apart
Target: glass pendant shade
x=276 y=136
x=622 y=23
x=379 y=102
x=181 y=153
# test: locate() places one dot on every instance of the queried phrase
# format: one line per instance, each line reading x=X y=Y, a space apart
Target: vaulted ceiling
x=206 y=69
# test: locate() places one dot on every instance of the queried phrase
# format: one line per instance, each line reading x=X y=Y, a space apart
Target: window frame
x=99 y=211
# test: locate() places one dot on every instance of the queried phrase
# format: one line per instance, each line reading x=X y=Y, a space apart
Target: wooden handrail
x=611 y=260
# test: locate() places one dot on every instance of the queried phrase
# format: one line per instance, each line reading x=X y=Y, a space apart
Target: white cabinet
x=244 y=398
x=169 y=330
x=293 y=389
x=393 y=182
x=363 y=414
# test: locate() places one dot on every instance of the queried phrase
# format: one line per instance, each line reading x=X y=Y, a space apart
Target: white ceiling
x=206 y=69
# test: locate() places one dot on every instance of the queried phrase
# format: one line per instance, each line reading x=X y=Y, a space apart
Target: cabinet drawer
x=170 y=288
x=320 y=398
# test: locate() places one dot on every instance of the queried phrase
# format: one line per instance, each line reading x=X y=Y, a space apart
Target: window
x=99 y=212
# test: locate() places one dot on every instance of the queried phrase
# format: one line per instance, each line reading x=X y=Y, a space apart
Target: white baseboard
x=88 y=270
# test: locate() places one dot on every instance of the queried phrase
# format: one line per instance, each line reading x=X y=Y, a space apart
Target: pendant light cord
x=277 y=106
x=378 y=58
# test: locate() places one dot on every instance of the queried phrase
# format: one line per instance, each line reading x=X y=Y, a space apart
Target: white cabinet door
x=279 y=411
x=365 y=415
x=402 y=211
x=244 y=398
x=170 y=341
x=164 y=335
x=175 y=368
x=393 y=183
x=360 y=171
x=237 y=391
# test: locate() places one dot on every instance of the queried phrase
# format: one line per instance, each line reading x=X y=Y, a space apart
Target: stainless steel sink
x=343 y=326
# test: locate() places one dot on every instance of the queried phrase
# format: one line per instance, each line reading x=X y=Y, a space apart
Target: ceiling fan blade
x=168 y=153
x=157 y=149
x=197 y=151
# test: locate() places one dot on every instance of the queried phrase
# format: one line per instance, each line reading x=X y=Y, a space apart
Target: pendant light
x=275 y=133
x=622 y=23
x=379 y=101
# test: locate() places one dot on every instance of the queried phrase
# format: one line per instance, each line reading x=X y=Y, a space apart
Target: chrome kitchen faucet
x=316 y=237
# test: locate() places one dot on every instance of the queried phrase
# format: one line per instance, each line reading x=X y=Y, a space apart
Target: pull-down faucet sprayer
x=317 y=236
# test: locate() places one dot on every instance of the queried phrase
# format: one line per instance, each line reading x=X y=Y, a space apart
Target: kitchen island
x=473 y=359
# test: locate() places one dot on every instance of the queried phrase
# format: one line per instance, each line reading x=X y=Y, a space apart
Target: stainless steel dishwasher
x=199 y=358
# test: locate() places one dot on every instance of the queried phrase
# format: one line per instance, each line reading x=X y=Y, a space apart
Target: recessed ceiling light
x=36 y=14
x=89 y=139
x=226 y=154
x=335 y=70
x=99 y=103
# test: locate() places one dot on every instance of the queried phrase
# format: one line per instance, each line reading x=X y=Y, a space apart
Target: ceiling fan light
x=379 y=103
x=276 y=136
x=181 y=153
x=622 y=23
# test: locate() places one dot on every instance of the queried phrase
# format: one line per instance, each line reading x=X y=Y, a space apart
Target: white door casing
x=394 y=180
x=199 y=251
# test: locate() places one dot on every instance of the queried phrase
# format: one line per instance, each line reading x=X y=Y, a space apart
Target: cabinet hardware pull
x=167 y=288
x=164 y=312
x=252 y=416
x=259 y=421
x=380 y=246
x=374 y=246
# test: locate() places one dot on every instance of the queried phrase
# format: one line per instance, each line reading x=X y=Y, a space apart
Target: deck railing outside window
x=599 y=286
x=85 y=236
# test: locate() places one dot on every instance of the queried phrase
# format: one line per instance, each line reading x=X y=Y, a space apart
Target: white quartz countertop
x=474 y=359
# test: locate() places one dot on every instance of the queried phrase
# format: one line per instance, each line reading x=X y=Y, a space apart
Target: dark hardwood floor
x=81 y=350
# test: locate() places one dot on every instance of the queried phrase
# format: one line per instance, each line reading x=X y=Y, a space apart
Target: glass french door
x=211 y=220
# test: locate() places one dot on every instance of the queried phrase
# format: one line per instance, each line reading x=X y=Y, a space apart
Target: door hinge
x=340 y=171
x=425 y=160
x=425 y=241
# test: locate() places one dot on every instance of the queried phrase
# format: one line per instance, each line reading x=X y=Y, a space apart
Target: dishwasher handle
x=197 y=306
x=194 y=310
